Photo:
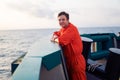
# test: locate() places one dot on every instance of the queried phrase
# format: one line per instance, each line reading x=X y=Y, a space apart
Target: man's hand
x=54 y=38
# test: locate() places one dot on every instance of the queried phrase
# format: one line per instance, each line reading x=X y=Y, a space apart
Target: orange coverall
x=70 y=40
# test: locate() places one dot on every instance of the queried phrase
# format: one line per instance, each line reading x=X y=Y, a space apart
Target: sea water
x=14 y=43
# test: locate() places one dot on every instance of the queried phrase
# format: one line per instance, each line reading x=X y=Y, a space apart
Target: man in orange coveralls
x=69 y=38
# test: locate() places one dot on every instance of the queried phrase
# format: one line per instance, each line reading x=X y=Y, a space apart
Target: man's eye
x=61 y=19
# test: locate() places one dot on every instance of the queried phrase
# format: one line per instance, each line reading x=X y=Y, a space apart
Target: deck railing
x=42 y=62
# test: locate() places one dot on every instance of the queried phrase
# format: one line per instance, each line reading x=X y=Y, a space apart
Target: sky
x=34 y=14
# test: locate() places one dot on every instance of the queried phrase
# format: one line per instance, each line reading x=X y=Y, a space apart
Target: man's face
x=63 y=21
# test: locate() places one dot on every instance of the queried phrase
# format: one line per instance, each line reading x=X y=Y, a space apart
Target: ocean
x=14 y=43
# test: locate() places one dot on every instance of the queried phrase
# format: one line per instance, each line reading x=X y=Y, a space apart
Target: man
x=69 y=38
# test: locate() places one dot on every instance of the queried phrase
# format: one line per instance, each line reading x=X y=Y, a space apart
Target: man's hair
x=64 y=13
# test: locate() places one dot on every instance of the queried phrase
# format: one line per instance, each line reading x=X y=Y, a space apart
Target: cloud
x=36 y=8
x=41 y=13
